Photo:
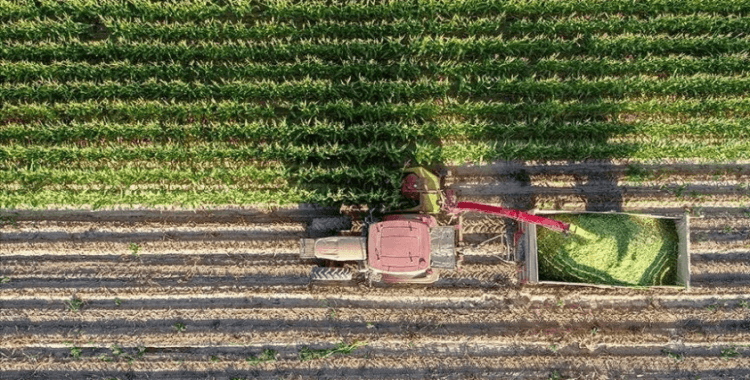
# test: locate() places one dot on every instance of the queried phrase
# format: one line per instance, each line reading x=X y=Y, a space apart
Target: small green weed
x=594 y=331
x=553 y=348
x=675 y=356
x=116 y=350
x=179 y=327
x=9 y=220
x=342 y=348
x=4 y=280
x=105 y=358
x=713 y=307
x=74 y=304
x=266 y=356
x=118 y=301
x=743 y=304
x=134 y=249
x=555 y=375
x=75 y=352
x=131 y=359
x=214 y=359
x=729 y=353
x=119 y=352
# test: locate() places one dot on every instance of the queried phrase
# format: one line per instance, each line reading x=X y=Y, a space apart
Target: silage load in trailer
x=610 y=249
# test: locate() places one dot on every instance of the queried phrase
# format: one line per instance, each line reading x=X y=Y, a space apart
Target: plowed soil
x=234 y=280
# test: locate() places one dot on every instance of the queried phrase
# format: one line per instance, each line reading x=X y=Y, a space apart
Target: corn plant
x=179 y=327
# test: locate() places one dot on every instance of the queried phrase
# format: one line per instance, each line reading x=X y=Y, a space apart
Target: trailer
x=526 y=250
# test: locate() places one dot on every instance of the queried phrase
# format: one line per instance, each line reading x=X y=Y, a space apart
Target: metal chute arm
x=552 y=224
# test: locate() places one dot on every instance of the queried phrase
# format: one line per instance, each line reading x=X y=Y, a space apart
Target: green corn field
x=199 y=103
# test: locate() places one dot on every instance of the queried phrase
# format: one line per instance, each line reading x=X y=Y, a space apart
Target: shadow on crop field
x=599 y=189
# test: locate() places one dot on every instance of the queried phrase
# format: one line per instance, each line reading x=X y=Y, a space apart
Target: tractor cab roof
x=399 y=246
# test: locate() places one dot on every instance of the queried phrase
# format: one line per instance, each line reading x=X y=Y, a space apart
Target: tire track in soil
x=240 y=296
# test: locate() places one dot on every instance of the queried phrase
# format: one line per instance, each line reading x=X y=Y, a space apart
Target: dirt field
x=207 y=290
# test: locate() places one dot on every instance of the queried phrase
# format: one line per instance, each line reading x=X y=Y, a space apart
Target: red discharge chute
x=552 y=224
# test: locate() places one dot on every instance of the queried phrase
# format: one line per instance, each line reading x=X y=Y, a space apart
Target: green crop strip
x=65 y=28
x=333 y=50
x=102 y=134
x=382 y=91
x=231 y=111
x=351 y=10
x=267 y=102
x=207 y=71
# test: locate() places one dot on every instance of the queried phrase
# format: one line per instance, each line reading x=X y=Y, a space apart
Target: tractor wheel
x=322 y=227
x=330 y=274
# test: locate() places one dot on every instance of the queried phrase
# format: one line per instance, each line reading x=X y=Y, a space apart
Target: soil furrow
x=614 y=166
x=199 y=234
x=392 y=297
x=281 y=245
x=720 y=313
x=408 y=364
x=295 y=213
x=131 y=269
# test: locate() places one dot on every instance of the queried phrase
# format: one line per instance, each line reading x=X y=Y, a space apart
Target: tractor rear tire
x=322 y=227
x=330 y=274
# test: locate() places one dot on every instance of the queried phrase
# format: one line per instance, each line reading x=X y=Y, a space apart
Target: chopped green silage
x=610 y=250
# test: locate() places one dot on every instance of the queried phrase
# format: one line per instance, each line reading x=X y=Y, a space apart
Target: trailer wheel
x=330 y=274
x=322 y=227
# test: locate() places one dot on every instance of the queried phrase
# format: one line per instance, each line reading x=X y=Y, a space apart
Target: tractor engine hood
x=399 y=246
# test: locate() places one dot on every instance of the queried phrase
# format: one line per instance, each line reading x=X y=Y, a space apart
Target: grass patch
x=606 y=249
x=342 y=348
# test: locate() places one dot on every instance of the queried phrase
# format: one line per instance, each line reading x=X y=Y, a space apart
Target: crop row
x=205 y=111
x=105 y=133
x=351 y=10
x=246 y=175
x=377 y=151
x=382 y=152
x=113 y=183
x=216 y=30
x=383 y=91
x=23 y=71
x=324 y=194
x=333 y=50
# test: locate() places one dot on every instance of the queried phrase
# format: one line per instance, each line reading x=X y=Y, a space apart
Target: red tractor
x=406 y=246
